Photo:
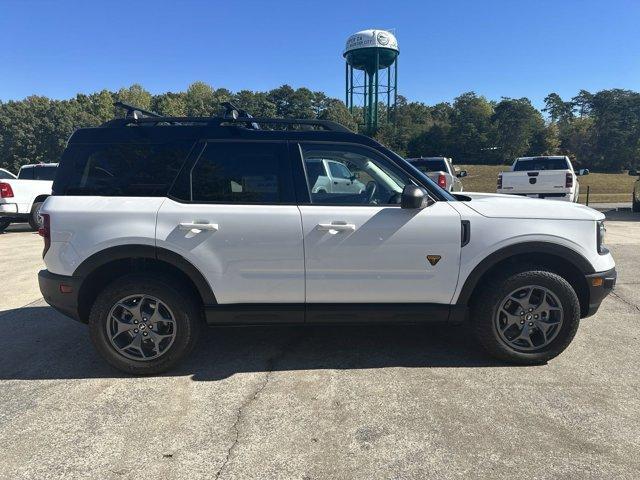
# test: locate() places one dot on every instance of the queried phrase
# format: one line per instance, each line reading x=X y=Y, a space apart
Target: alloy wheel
x=529 y=318
x=141 y=327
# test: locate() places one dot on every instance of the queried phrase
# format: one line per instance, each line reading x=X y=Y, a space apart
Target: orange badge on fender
x=433 y=259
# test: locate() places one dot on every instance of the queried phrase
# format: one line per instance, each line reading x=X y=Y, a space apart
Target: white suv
x=158 y=226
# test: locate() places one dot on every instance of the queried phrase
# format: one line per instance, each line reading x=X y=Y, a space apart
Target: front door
x=232 y=215
x=363 y=248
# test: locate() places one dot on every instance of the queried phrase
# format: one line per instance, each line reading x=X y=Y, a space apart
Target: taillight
x=5 y=190
x=45 y=232
x=499 y=181
x=442 y=181
x=569 y=181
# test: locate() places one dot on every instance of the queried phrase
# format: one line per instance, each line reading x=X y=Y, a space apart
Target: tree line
x=600 y=131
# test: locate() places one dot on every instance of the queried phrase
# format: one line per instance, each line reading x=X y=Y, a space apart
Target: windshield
x=435 y=165
x=528 y=164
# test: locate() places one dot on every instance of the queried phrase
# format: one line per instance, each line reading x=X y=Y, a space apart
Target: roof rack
x=135 y=112
x=232 y=116
x=219 y=121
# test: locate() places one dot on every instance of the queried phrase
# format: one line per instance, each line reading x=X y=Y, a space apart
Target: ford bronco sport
x=158 y=226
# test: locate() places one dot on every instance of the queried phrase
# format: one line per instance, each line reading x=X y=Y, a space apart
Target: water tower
x=368 y=52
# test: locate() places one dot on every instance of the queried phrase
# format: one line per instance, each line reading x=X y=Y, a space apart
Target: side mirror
x=353 y=177
x=462 y=174
x=413 y=197
x=633 y=173
x=583 y=171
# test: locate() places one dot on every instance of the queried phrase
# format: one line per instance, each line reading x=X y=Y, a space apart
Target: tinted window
x=234 y=172
x=120 y=169
x=5 y=175
x=430 y=165
x=25 y=173
x=338 y=170
x=541 y=164
x=44 y=173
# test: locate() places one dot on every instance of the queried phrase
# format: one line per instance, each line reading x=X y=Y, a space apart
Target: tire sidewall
x=487 y=330
x=35 y=220
x=182 y=305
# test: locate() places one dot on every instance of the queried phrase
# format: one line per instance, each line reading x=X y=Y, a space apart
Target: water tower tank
x=370 y=52
x=365 y=47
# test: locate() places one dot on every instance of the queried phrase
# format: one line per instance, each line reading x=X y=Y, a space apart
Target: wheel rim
x=141 y=327
x=529 y=318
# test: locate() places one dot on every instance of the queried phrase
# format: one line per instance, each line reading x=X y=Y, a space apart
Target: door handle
x=198 y=226
x=334 y=228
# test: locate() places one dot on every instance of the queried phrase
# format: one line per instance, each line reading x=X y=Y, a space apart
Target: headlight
x=600 y=233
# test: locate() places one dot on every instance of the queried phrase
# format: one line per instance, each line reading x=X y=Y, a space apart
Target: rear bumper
x=50 y=287
x=600 y=285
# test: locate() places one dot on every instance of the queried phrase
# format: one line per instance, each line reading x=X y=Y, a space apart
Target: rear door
x=232 y=214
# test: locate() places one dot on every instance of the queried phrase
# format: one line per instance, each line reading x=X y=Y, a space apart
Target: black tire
x=486 y=303
x=4 y=224
x=35 y=220
x=183 y=305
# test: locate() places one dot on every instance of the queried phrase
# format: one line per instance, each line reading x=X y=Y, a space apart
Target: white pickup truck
x=22 y=197
x=441 y=171
x=542 y=177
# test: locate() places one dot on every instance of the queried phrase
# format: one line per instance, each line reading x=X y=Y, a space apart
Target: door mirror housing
x=583 y=171
x=413 y=197
x=462 y=174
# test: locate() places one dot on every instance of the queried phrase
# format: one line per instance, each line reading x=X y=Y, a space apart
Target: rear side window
x=238 y=172
x=132 y=170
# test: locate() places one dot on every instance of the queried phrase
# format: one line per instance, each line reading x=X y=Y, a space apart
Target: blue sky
x=496 y=48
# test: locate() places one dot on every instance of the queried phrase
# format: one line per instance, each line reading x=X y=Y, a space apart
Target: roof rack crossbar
x=133 y=111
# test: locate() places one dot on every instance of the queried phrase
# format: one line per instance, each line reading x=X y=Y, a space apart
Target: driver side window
x=366 y=178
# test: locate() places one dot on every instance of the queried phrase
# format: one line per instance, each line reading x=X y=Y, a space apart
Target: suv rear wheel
x=4 y=223
x=528 y=317
x=143 y=325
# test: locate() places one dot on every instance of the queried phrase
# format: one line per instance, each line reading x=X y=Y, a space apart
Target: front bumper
x=600 y=285
x=61 y=292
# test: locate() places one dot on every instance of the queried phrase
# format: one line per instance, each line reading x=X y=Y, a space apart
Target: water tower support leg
x=389 y=93
x=346 y=84
x=377 y=87
x=351 y=89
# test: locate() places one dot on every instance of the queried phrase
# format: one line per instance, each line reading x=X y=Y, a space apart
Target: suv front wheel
x=143 y=325
x=528 y=317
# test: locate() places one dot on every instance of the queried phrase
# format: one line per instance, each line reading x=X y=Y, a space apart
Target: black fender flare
x=565 y=254
x=123 y=252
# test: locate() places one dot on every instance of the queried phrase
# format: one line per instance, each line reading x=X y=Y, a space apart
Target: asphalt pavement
x=319 y=403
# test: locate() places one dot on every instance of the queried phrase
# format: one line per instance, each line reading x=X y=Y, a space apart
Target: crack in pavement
x=271 y=362
x=625 y=301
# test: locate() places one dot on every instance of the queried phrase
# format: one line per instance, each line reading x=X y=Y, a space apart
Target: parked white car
x=21 y=198
x=331 y=176
x=542 y=177
x=441 y=171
